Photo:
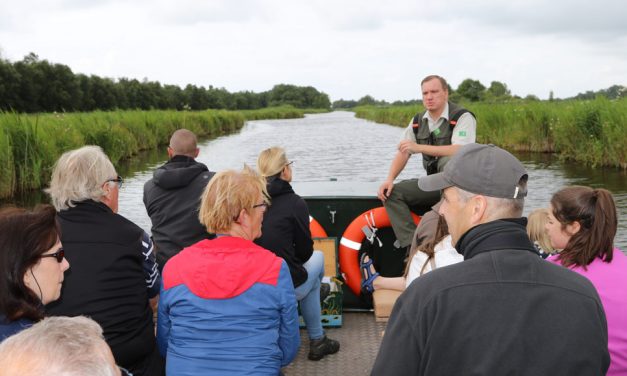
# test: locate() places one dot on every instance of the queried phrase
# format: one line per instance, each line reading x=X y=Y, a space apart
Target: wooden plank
x=328 y=246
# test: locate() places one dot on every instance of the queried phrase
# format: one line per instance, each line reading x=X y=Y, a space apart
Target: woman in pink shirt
x=582 y=223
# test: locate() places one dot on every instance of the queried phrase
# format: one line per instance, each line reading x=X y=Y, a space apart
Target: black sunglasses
x=59 y=255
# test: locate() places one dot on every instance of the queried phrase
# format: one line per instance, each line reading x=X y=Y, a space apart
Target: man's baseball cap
x=482 y=169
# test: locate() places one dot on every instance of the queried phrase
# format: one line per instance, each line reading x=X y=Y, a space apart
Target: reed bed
x=30 y=144
x=590 y=132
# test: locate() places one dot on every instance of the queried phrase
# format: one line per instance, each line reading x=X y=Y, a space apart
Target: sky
x=345 y=48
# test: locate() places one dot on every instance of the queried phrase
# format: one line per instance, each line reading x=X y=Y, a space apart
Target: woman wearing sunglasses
x=32 y=266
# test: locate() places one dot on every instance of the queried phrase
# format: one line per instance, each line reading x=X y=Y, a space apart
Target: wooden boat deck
x=360 y=337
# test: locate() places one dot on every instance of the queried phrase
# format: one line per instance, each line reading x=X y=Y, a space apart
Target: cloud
x=346 y=48
x=575 y=18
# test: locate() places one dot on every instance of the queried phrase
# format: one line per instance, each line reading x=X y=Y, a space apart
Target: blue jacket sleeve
x=163 y=323
x=289 y=336
x=151 y=271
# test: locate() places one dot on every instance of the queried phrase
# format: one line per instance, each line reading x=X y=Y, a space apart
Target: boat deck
x=360 y=337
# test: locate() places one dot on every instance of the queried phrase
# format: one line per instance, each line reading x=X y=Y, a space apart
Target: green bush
x=30 y=144
x=591 y=132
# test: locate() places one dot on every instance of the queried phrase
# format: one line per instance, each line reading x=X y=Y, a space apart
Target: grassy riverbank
x=30 y=144
x=591 y=132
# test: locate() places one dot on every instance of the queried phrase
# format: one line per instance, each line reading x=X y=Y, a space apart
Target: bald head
x=183 y=142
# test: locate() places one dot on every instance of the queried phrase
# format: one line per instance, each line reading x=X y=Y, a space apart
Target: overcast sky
x=345 y=48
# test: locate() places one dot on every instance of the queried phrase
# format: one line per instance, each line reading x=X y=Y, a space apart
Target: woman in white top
x=443 y=254
x=428 y=252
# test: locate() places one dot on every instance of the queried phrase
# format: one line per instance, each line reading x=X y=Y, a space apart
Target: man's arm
x=411 y=147
x=398 y=164
x=465 y=132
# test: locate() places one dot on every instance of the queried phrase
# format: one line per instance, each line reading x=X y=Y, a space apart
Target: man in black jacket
x=172 y=198
x=489 y=315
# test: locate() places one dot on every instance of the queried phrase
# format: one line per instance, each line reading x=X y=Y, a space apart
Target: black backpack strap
x=457 y=115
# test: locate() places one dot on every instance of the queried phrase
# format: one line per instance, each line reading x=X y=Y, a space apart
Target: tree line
x=32 y=85
x=471 y=90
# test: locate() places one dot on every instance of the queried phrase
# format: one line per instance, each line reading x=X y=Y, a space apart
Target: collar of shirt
x=435 y=123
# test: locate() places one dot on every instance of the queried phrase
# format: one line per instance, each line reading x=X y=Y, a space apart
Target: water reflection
x=340 y=146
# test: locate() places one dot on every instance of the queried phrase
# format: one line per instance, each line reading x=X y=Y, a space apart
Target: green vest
x=440 y=136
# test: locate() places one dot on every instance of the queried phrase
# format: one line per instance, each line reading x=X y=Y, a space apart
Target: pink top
x=610 y=280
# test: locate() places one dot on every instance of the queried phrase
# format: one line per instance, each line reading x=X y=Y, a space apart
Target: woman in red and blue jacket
x=227 y=306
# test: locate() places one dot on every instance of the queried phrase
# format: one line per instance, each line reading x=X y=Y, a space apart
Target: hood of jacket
x=507 y=233
x=277 y=187
x=222 y=268
x=178 y=172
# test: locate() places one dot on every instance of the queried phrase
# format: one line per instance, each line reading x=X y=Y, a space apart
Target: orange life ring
x=317 y=231
x=350 y=244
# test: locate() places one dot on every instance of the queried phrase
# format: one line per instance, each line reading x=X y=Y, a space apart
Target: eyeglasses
x=264 y=204
x=59 y=255
x=118 y=180
x=289 y=163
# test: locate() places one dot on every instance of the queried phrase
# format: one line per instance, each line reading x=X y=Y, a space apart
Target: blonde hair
x=272 y=161
x=78 y=175
x=70 y=346
x=536 y=222
x=227 y=194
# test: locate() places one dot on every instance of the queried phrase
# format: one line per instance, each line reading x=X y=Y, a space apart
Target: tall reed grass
x=30 y=144
x=591 y=132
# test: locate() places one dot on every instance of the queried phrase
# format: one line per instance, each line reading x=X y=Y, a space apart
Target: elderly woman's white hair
x=67 y=346
x=79 y=175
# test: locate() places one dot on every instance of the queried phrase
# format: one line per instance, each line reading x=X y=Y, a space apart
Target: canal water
x=339 y=146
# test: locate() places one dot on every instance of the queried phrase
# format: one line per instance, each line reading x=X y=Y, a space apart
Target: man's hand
x=409 y=147
x=385 y=190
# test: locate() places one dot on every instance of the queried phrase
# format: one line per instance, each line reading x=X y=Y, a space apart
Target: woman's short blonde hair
x=536 y=222
x=272 y=161
x=227 y=193
x=79 y=175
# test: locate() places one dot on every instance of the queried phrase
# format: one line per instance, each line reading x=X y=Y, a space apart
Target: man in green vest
x=437 y=134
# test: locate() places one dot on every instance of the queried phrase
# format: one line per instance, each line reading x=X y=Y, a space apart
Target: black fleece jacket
x=285 y=229
x=172 y=200
x=489 y=315
x=106 y=280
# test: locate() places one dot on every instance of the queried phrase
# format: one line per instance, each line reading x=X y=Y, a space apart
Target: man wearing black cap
x=488 y=314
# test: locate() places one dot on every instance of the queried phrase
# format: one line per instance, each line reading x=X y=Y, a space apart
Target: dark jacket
x=172 y=199
x=9 y=328
x=285 y=229
x=106 y=280
x=440 y=136
x=488 y=315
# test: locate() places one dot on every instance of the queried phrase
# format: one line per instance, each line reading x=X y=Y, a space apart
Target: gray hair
x=499 y=208
x=59 y=346
x=79 y=175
